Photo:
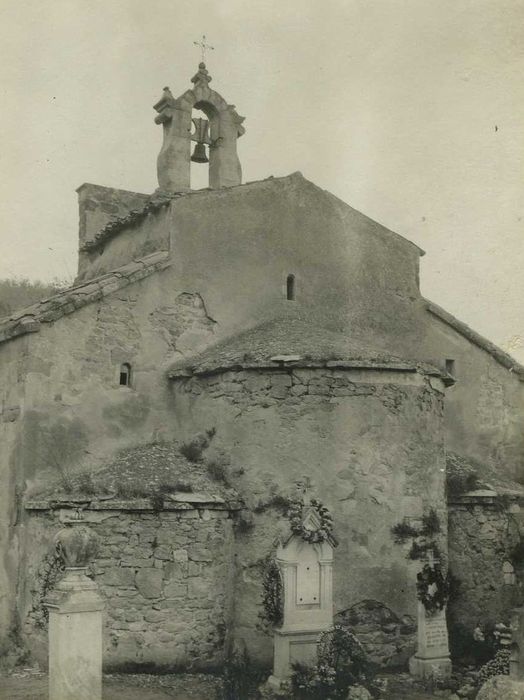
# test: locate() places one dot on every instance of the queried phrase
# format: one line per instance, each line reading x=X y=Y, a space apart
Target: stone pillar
x=516 y=661
x=75 y=621
x=432 y=657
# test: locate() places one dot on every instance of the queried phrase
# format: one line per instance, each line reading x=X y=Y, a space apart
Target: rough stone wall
x=167 y=582
x=481 y=536
x=372 y=443
x=97 y=205
x=63 y=408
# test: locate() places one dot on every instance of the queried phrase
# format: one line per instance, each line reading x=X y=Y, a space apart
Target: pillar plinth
x=75 y=622
x=432 y=657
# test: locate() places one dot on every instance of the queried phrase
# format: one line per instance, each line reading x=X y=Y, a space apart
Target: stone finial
x=202 y=77
x=78 y=545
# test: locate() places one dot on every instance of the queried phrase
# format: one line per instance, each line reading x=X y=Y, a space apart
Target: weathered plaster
x=372 y=444
x=484 y=408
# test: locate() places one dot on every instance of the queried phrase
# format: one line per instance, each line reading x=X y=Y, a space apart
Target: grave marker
x=432 y=656
x=306 y=569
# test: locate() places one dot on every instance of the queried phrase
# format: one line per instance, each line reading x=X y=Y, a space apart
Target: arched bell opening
x=204 y=133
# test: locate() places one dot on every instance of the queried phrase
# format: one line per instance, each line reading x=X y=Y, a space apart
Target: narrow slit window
x=450 y=367
x=125 y=374
x=290 y=287
x=508 y=573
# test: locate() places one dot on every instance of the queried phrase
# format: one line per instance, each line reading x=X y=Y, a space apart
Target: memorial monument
x=432 y=658
x=305 y=561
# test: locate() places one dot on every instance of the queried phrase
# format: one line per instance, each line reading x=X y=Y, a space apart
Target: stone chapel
x=219 y=347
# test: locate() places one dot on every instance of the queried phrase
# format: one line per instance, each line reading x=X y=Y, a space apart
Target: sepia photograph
x=262 y=350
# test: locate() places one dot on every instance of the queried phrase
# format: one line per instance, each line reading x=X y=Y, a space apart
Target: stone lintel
x=130 y=506
x=187 y=371
x=485 y=498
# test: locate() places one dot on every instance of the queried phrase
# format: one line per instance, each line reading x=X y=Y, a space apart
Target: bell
x=199 y=154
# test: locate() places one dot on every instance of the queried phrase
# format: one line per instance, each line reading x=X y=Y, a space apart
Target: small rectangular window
x=125 y=374
x=450 y=367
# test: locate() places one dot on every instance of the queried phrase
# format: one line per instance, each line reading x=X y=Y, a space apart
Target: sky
x=411 y=111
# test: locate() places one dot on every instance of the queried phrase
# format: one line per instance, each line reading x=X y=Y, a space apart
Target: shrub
x=86 y=484
x=272 y=613
x=241 y=677
x=218 y=471
x=461 y=476
x=516 y=554
x=50 y=571
x=127 y=491
x=278 y=502
x=342 y=664
x=157 y=501
x=193 y=450
x=497 y=666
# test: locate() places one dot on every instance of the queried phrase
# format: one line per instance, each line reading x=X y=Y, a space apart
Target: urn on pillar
x=75 y=620
x=305 y=561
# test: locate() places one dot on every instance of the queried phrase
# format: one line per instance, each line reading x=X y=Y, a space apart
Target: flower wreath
x=322 y=533
x=432 y=588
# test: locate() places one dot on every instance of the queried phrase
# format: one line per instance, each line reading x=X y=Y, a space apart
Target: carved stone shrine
x=306 y=569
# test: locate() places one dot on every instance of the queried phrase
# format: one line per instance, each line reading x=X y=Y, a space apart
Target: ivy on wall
x=433 y=584
x=49 y=572
x=272 y=614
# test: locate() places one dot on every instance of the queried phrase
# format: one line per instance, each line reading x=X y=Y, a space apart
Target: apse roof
x=292 y=342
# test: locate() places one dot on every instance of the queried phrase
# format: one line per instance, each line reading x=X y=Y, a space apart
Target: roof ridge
x=29 y=319
x=159 y=199
x=502 y=357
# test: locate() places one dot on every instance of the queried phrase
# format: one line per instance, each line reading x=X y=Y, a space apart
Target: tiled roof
x=134 y=217
x=29 y=320
x=483 y=479
x=499 y=355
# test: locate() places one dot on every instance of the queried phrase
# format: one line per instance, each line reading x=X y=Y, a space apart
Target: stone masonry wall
x=481 y=537
x=369 y=440
x=166 y=579
x=98 y=205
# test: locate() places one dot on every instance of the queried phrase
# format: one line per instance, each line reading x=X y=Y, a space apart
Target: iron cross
x=203 y=47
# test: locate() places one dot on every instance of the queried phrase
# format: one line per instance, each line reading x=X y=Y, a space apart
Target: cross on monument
x=304 y=486
x=203 y=46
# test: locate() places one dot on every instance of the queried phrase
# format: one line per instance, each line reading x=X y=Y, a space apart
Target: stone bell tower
x=219 y=132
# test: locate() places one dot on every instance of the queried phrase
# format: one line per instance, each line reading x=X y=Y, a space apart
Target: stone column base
x=430 y=668
x=292 y=646
x=75 y=638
